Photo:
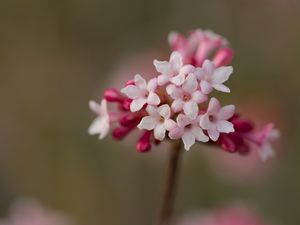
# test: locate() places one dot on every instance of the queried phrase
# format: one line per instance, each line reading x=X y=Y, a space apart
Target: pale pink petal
x=137 y=104
x=199 y=135
x=190 y=84
x=183 y=120
x=152 y=110
x=95 y=107
x=221 y=87
x=225 y=126
x=162 y=67
x=213 y=134
x=174 y=92
x=199 y=73
x=163 y=79
x=176 y=61
x=266 y=151
x=170 y=124
x=188 y=140
x=152 y=85
x=213 y=106
x=186 y=69
x=131 y=91
x=208 y=67
x=178 y=80
x=205 y=123
x=99 y=126
x=176 y=133
x=221 y=74
x=159 y=132
x=198 y=97
x=164 y=111
x=177 y=105
x=205 y=87
x=147 y=123
x=153 y=99
x=140 y=81
x=191 y=109
x=226 y=112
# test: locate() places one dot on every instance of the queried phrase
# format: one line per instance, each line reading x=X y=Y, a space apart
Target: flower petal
x=162 y=67
x=176 y=61
x=188 y=140
x=147 y=123
x=221 y=87
x=163 y=79
x=199 y=135
x=176 y=133
x=213 y=106
x=99 y=126
x=213 y=134
x=198 y=97
x=137 y=104
x=152 y=84
x=177 y=105
x=208 y=67
x=153 y=99
x=225 y=126
x=221 y=74
x=226 y=112
x=266 y=151
x=178 y=80
x=205 y=87
x=170 y=124
x=183 y=120
x=159 y=132
x=164 y=111
x=131 y=91
x=190 y=84
x=95 y=107
x=191 y=109
x=205 y=123
x=140 y=81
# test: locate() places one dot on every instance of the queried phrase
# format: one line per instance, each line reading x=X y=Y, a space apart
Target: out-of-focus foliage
x=56 y=55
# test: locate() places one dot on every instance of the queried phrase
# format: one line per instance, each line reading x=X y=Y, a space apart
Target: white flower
x=213 y=78
x=101 y=124
x=141 y=93
x=215 y=119
x=172 y=71
x=158 y=120
x=187 y=97
x=188 y=130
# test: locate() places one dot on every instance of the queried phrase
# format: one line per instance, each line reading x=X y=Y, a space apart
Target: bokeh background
x=55 y=55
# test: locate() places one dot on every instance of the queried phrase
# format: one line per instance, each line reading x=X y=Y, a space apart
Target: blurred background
x=57 y=55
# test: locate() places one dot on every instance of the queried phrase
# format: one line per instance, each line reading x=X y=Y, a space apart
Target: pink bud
x=130 y=82
x=130 y=120
x=126 y=104
x=113 y=95
x=143 y=144
x=121 y=132
x=223 y=57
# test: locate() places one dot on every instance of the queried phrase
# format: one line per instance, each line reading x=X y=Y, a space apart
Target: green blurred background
x=55 y=55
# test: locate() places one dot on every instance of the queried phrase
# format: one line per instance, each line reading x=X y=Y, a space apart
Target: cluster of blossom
x=177 y=103
x=230 y=215
x=31 y=212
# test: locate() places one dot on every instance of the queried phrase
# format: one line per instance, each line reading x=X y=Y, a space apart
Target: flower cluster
x=178 y=104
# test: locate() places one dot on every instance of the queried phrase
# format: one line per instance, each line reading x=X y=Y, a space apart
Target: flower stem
x=168 y=196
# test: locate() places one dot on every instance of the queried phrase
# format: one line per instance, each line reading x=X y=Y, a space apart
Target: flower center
x=186 y=97
x=211 y=118
x=161 y=119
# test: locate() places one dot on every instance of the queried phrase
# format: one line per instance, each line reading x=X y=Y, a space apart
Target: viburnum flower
x=178 y=105
x=188 y=130
x=215 y=120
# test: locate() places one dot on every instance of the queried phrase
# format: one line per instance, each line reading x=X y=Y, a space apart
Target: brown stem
x=166 y=209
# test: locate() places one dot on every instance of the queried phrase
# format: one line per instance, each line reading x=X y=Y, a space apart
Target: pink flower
x=101 y=124
x=172 y=71
x=263 y=139
x=215 y=120
x=31 y=212
x=187 y=97
x=141 y=93
x=211 y=77
x=188 y=130
x=231 y=215
x=158 y=120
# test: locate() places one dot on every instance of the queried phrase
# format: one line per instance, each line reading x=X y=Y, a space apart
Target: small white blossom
x=158 y=120
x=215 y=120
x=141 y=93
x=101 y=124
